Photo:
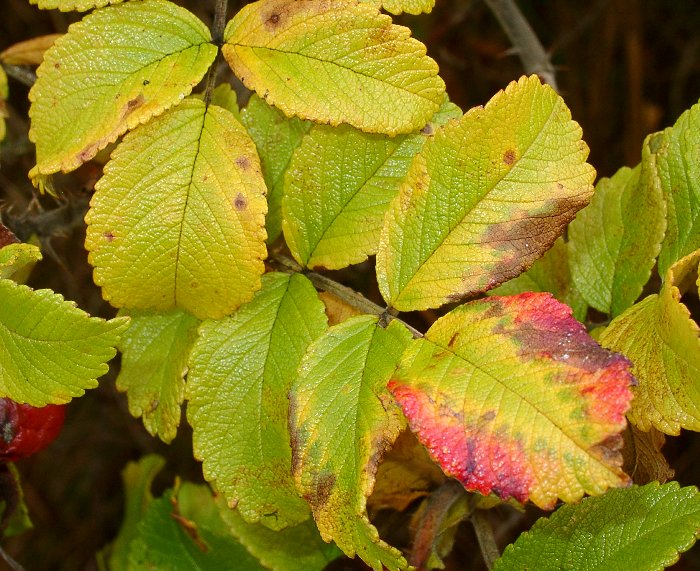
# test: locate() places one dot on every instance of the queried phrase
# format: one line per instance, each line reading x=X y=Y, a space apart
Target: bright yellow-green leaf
x=297 y=548
x=51 y=350
x=663 y=342
x=17 y=260
x=486 y=197
x=178 y=218
x=550 y=273
x=334 y=62
x=342 y=419
x=112 y=71
x=276 y=138
x=154 y=351
x=512 y=397
x=69 y=5
x=241 y=370
x=677 y=150
x=338 y=187
x=400 y=6
x=614 y=241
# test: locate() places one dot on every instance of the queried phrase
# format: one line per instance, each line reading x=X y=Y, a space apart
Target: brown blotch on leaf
x=243 y=162
x=133 y=104
x=108 y=236
x=452 y=340
x=509 y=157
x=240 y=202
x=322 y=488
x=273 y=21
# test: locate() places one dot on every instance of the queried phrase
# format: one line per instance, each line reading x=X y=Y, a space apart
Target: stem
x=485 y=537
x=217 y=34
x=348 y=295
x=20 y=73
x=524 y=40
x=12 y=564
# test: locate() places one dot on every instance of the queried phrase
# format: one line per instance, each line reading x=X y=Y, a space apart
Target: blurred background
x=625 y=68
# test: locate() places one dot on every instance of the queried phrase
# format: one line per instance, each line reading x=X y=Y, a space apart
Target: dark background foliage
x=625 y=68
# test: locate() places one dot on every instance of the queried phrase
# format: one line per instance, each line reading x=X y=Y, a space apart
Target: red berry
x=25 y=429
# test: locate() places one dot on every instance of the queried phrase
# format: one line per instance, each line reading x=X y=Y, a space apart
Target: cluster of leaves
x=349 y=148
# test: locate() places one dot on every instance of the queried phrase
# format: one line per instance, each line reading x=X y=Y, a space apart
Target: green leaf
x=52 y=351
x=550 y=273
x=640 y=528
x=338 y=187
x=137 y=479
x=342 y=419
x=184 y=531
x=292 y=549
x=154 y=351
x=17 y=260
x=69 y=5
x=112 y=71
x=224 y=96
x=352 y=50
x=511 y=396
x=400 y=6
x=486 y=197
x=241 y=370
x=677 y=150
x=276 y=138
x=177 y=220
x=614 y=241
x=661 y=339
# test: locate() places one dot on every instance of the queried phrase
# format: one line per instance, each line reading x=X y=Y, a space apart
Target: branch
x=485 y=537
x=20 y=73
x=525 y=42
x=217 y=34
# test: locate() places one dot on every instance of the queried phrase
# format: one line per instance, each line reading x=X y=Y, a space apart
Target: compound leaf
x=486 y=197
x=614 y=241
x=290 y=549
x=276 y=137
x=312 y=59
x=642 y=528
x=184 y=530
x=338 y=187
x=52 y=351
x=400 y=6
x=112 y=71
x=511 y=396
x=69 y=5
x=661 y=339
x=677 y=149
x=342 y=419
x=178 y=218
x=241 y=371
x=550 y=273
x=154 y=351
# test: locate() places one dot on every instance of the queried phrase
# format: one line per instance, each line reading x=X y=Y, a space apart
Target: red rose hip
x=24 y=429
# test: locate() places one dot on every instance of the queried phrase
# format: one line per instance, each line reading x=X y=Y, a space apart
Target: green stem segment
x=485 y=537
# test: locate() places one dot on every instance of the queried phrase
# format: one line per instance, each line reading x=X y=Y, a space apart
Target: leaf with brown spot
x=342 y=419
x=487 y=195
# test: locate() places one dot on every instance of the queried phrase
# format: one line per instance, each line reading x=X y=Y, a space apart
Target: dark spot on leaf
x=57 y=65
x=452 y=340
x=133 y=104
x=274 y=19
x=146 y=82
x=6 y=236
x=560 y=186
x=194 y=284
x=243 y=162
x=240 y=202
x=509 y=157
x=108 y=236
x=428 y=129
x=488 y=415
x=322 y=488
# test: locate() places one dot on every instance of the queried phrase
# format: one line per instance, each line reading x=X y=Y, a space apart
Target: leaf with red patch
x=511 y=396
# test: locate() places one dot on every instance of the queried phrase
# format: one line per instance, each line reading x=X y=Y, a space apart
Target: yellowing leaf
x=614 y=241
x=485 y=198
x=677 y=149
x=178 y=218
x=29 y=52
x=3 y=108
x=334 y=62
x=512 y=397
x=342 y=419
x=338 y=187
x=154 y=351
x=112 y=71
x=51 y=350
x=400 y=6
x=69 y=5
x=17 y=260
x=276 y=138
x=663 y=342
x=241 y=371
